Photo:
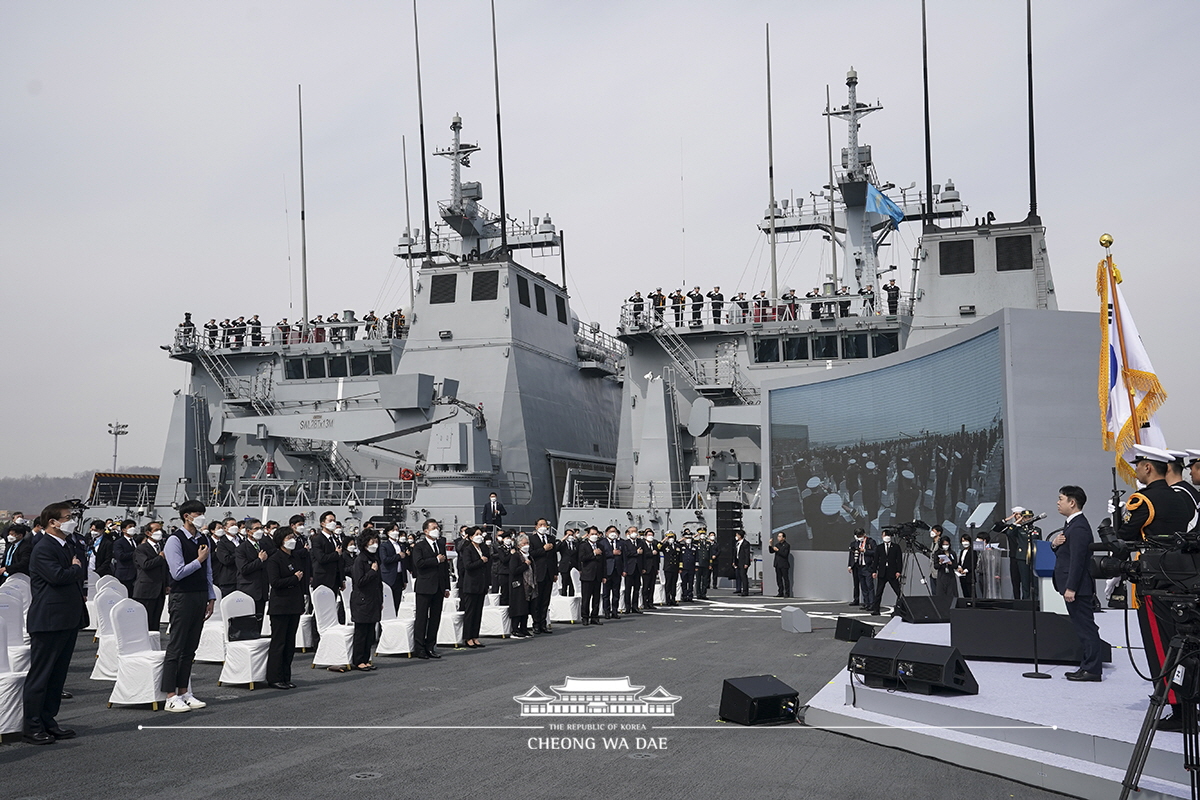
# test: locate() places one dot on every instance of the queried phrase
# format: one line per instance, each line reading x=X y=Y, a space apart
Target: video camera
x=1166 y=563
x=907 y=532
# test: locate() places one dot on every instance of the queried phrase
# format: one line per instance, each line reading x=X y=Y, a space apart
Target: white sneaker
x=176 y=704
x=192 y=702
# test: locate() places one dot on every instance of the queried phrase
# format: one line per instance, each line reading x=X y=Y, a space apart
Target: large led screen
x=920 y=440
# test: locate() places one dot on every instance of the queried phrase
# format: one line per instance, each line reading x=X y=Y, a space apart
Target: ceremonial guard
x=718 y=303
x=637 y=307
x=658 y=301
x=697 y=298
x=687 y=563
x=670 y=553
x=704 y=563
x=677 y=303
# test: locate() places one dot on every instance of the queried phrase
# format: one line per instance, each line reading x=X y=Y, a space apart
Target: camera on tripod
x=907 y=532
x=1168 y=563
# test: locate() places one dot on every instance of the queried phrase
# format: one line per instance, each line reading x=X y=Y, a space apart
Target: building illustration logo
x=597 y=697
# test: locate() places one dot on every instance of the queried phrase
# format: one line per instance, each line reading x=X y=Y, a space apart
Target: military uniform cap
x=1143 y=452
x=1192 y=456
x=1178 y=455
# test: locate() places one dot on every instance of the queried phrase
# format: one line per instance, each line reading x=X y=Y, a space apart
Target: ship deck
x=454 y=725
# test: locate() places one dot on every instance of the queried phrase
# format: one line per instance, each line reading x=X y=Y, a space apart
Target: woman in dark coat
x=947 y=566
x=366 y=600
x=521 y=588
x=287 y=581
x=474 y=573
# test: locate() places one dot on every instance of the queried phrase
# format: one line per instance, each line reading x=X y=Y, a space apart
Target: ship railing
x=757 y=310
x=370 y=492
x=648 y=494
x=593 y=344
x=190 y=339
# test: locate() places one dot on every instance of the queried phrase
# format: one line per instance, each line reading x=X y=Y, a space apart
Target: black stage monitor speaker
x=850 y=629
x=758 y=700
x=911 y=667
x=922 y=608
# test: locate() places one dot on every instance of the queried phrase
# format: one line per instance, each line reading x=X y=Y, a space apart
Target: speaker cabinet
x=850 y=629
x=911 y=666
x=919 y=609
x=758 y=700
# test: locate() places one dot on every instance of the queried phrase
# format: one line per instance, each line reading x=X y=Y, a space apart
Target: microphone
x=1035 y=519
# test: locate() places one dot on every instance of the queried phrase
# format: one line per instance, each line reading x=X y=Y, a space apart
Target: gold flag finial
x=1106 y=241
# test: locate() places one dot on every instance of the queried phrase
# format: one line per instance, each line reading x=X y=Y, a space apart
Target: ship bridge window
x=885 y=343
x=766 y=351
x=338 y=367
x=1014 y=253
x=442 y=288
x=360 y=365
x=539 y=297
x=560 y=303
x=854 y=345
x=316 y=366
x=825 y=346
x=381 y=363
x=523 y=291
x=485 y=285
x=293 y=369
x=795 y=348
x=956 y=258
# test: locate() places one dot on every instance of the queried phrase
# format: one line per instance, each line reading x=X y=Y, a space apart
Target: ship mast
x=771 y=173
x=856 y=175
x=303 y=236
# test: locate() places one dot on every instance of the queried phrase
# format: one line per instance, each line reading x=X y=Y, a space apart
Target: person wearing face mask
x=502 y=561
x=742 y=559
x=16 y=554
x=568 y=559
x=889 y=561
x=935 y=535
x=545 y=572
x=288 y=584
x=366 y=600
x=614 y=565
x=474 y=560
x=783 y=563
x=522 y=593
x=632 y=547
x=704 y=563
x=56 y=614
x=649 y=563
x=190 y=603
x=432 y=588
x=687 y=567
x=862 y=564
x=350 y=553
x=389 y=560
x=124 y=569
x=966 y=566
x=150 y=586
x=250 y=561
x=102 y=550
x=326 y=554
x=225 y=556
x=591 y=576
x=947 y=565
x=670 y=566
x=493 y=512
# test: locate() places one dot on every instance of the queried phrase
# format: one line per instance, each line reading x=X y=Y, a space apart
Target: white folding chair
x=12 y=686
x=491 y=600
x=450 y=629
x=16 y=650
x=212 y=636
x=495 y=621
x=107 y=659
x=396 y=635
x=245 y=659
x=106 y=581
x=333 y=650
x=564 y=609
x=92 y=589
x=15 y=595
x=139 y=669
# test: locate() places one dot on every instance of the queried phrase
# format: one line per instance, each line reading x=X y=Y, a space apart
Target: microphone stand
x=1031 y=551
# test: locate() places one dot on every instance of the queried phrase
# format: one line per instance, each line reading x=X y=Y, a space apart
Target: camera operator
x=1157 y=510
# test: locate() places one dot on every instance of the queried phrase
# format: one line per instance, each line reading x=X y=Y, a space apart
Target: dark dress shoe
x=596 y=621
x=421 y=654
x=587 y=622
x=1089 y=677
x=38 y=737
x=547 y=631
x=61 y=733
x=480 y=644
x=280 y=685
x=67 y=695
x=434 y=654
x=291 y=685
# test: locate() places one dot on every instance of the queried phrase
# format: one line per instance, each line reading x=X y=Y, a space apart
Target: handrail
x=691 y=315
x=191 y=338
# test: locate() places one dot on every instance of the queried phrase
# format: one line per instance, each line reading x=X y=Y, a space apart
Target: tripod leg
x=1141 y=748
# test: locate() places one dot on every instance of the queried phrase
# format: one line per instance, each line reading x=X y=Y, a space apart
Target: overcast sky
x=148 y=163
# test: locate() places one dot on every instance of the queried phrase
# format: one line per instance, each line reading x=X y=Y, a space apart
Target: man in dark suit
x=614 y=565
x=1074 y=581
x=783 y=564
x=56 y=613
x=545 y=571
x=568 y=559
x=493 y=512
x=102 y=546
x=250 y=563
x=326 y=549
x=16 y=555
x=150 y=585
x=649 y=563
x=889 y=561
x=124 y=569
x=389 y=561
x=591 y=577
x=633 y=547
x=224 y=555
x=432 y=588
x=741 y=563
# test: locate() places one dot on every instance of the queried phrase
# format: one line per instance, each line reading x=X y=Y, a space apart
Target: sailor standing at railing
x=718 y=302
x=677 y=303
x=789 y=301
x=658 y=301
x=893 y=296
x=636 y=306
x=697 y=298
x=868 y=300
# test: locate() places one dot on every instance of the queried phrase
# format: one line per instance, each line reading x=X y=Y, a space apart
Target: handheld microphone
x=1035 y=519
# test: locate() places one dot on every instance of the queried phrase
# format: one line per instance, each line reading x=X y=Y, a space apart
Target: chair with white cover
x=495 y=621
x=107 y=660
x=333 y=650
x=450 y=629
x=211 y=649
x=396 y=635
x=491 y=600
x=564 y=609
x=92 y=590
x=13 y=595
x=21 y=584
x=12 y=687
x=107 y=581
x=139 y=667
x=15 y=650
x=306 y=634
x=245 y=659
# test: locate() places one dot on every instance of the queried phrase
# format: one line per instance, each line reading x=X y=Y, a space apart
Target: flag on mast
x=1129 y=389
x=883 y=205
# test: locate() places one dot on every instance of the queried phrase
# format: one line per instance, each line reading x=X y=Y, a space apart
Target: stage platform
x=1074 y=738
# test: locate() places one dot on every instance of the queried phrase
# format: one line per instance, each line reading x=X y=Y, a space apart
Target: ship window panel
x=293 y=369
x=523 y=291
x=485 y=285
x=854 y=345
x=560 y=303
x=539 y=298
x=316 y=366
x=825 y=346
x=795 y=348
x=360 y=365
x=885 y=343
x=442 y=288
x=381 y=364
x=338 y=367
x=1014 y=253
x=766 y=351
x=956 y=258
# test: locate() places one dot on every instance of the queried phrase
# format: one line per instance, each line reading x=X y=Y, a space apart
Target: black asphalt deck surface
x=254 y=744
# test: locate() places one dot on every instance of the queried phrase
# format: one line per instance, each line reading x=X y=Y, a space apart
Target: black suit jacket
x=152 y=575
x=432 y=576
x=474 y=572
x=781 y=550
x=1072 y=557
x=366 y=599
x=287 y=591
x=741 y=554
x=224 y=566
x=889 y=559
x=490 y=518
x=58 y=588
x=124 y=568
x=326 y=563
x=545 y=562
x=21 y=552
x=252 y=571
x=591 y=566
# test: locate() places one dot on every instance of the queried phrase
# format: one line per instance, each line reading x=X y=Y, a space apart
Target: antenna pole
x=412 y=299
x=303 y=234
x=928 y=155
x=499 y=141
x=1033 y=212
x=421 y=124
x=562 y=256
x=771 y=172
x=833 y=245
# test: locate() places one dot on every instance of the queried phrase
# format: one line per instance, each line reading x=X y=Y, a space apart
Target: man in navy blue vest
x=56 y=613
x=191 y=602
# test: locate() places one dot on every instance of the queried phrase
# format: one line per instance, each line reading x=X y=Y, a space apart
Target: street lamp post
x=116 y=430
